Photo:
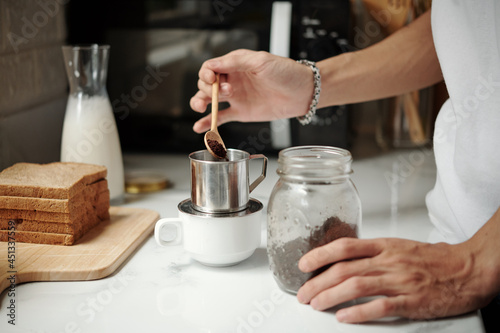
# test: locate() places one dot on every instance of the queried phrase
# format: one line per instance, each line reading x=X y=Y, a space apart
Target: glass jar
x=313 y=203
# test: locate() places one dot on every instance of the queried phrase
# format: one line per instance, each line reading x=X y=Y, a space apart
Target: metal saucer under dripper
x=253 y=206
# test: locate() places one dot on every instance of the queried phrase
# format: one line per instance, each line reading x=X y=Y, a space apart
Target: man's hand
x=419 y=280
x=259 y=86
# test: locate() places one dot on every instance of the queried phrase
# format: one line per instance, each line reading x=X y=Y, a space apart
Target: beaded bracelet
x=307 y=118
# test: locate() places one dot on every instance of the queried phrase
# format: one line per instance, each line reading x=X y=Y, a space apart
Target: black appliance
x=162 y=43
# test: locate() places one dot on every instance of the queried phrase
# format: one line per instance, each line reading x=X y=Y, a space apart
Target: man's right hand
x=259 y=86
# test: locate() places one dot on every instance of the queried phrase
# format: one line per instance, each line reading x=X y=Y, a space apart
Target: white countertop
x=163 y=290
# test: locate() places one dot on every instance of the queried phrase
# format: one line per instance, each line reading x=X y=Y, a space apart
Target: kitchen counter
x=161 y=289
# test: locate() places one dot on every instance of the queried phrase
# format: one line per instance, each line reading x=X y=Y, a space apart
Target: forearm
x=403 y=62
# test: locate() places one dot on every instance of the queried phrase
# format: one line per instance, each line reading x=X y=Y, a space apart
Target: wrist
x=326 y=82
x=485 y=249
x=483 y=262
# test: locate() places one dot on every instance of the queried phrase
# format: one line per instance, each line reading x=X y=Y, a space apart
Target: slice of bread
x=39 y=238
x=90 y=193
x=100 y=207
x=59 y=180
x=78 y=228
x=38 y=226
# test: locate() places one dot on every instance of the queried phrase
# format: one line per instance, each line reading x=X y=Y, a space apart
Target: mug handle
x=262 y=176
x=171 y=221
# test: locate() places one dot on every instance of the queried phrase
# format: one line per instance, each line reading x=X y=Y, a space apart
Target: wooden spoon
x=213 y=141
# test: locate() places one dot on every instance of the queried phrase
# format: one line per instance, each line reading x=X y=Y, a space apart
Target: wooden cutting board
x=96 y=255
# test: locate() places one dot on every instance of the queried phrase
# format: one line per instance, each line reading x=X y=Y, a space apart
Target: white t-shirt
x=467 y=133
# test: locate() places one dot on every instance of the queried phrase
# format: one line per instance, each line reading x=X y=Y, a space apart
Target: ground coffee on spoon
x=217 y=148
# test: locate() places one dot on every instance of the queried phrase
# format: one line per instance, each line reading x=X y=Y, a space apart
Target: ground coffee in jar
x=313 y=203
x=287 y=255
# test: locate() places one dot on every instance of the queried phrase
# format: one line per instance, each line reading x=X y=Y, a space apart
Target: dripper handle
x=262 y=176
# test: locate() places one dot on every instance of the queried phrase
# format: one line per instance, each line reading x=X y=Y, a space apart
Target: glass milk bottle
x=89 y=131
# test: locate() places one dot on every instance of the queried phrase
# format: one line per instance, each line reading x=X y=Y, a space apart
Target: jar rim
x=314 y=162
x=315 y=154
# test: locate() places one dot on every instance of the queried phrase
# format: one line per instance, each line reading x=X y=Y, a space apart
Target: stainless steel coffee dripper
x=219 y=186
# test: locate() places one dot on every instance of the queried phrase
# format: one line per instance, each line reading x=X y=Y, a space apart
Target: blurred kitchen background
x=157 y=48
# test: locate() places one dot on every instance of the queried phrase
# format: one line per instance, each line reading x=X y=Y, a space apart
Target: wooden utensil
x=213 y=141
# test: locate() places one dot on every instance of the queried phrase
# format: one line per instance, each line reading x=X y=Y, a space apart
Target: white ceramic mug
x=213 y=239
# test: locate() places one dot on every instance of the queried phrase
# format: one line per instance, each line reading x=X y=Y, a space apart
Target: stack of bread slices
x=55 y=203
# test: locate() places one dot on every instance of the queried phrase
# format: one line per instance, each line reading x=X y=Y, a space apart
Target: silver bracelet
x=307 y=118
